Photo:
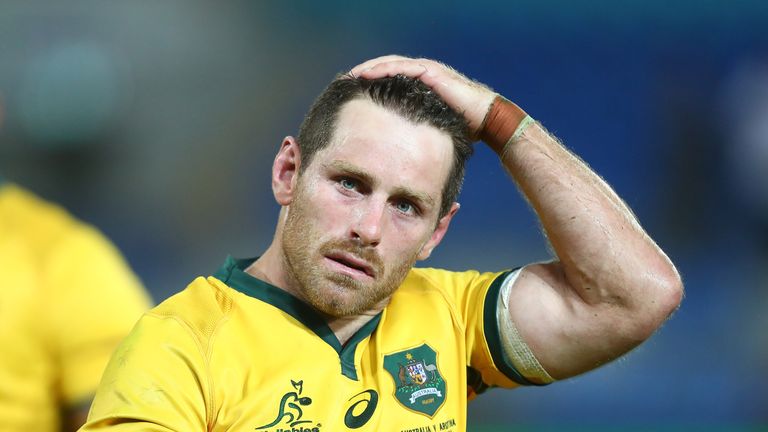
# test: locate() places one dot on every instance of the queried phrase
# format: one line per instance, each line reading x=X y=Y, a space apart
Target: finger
x=389 y=69
x=428 y=72
x=373 y=62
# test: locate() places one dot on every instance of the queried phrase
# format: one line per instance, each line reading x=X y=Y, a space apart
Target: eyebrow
x=348 y=168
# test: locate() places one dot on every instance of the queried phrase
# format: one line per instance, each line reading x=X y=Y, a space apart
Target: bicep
x=567 y=335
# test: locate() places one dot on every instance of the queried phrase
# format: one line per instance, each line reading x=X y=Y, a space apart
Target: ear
x=285 y=171
x=438 y=234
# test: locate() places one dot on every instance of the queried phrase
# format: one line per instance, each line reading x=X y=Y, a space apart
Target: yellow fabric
x=67 y=298
x=216 y=358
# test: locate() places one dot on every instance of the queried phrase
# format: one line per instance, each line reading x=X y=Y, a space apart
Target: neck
x=271 y=268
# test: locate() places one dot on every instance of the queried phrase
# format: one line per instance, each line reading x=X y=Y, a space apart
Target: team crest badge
x=418 y=384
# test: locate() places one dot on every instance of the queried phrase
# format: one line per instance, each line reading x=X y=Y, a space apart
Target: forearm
x=605 y=254
x=611 y=286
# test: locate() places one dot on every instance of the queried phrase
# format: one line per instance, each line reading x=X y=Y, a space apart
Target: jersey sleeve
x=475 y=297
x=94 y=300
x=157 y=380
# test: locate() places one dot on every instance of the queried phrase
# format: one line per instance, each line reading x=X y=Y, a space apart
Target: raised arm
x=610 y=286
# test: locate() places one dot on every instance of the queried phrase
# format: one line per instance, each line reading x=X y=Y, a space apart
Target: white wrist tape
x=516 y=351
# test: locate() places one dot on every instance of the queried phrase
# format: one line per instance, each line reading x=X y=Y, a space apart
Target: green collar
x=232 y=273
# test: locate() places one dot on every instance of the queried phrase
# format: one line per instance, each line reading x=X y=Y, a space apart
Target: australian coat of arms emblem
x=418 y=383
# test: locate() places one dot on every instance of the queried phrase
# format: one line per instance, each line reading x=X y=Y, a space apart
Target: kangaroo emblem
x=290 y=407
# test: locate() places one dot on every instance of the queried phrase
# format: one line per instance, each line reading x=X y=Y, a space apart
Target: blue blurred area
x=158 y=123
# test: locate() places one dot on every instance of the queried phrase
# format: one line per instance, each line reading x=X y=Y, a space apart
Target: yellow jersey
x=234 y=353
x=67 y=298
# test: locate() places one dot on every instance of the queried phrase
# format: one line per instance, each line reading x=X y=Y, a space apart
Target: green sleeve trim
x=492 y=335
x=475 y=381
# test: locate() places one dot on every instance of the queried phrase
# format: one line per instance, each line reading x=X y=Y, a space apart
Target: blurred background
x=158 y=121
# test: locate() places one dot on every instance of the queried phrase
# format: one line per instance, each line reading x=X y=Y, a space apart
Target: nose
x=368 y=224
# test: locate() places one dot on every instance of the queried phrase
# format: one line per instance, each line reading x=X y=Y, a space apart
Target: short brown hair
x=408 y=97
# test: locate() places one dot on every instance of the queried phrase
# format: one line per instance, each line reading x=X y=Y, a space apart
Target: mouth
x=351 y=265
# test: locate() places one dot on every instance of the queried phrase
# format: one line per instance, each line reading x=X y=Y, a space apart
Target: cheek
x=327 y=211
x=407 y=238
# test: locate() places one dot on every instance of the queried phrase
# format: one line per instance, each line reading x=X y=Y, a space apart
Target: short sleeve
x=475 y=296
x=157 y=380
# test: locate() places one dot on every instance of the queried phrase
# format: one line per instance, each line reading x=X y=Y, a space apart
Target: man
x=333 y=329
x=67 y=298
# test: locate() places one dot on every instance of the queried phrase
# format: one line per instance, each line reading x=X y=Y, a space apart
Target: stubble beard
x=334 y=294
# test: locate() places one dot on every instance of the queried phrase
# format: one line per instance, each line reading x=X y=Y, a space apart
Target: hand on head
x=459 y=92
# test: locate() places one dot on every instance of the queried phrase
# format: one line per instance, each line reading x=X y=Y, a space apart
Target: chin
x=338 y=304
x=340 y=296
x=338 y=308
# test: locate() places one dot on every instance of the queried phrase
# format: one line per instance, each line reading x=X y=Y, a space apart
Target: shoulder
x=72 y=262
x=48 y=230
x=451 y=286
x=437 y=276
x=40 y=222
x=200 y=307
x=462 y=290
x=434 y=279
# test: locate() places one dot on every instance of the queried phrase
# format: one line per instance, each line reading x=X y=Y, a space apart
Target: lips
x=352 y=262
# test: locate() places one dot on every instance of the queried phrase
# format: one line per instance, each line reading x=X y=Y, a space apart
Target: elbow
x=669 y=293
x=662 y=298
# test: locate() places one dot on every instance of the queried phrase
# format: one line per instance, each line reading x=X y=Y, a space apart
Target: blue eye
x=405 y=207
x=348 y=183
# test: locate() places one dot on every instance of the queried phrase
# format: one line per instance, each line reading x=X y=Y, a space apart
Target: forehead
x=391 y=148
